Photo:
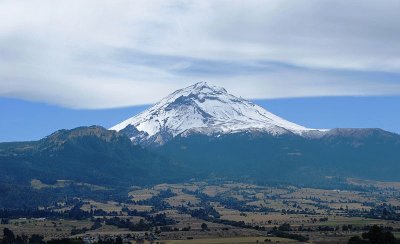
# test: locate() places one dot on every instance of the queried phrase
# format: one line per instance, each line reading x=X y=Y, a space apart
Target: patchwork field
x=224 y=212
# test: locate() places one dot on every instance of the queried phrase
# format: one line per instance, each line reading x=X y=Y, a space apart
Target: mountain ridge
x=91 y=154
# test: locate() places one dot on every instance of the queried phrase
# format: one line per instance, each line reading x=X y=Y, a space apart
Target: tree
x=376 y=235
x=118 y=240
x=8 y=236
x=204 y=226
x=285 y=227
x=36 y=239
x=356 y=240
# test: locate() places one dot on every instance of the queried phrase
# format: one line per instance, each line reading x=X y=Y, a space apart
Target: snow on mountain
x=205 y=109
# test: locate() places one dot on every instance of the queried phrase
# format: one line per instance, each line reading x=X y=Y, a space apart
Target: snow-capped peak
x=205 y=109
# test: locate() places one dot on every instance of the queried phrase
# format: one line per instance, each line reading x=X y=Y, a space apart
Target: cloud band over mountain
x=102 y=54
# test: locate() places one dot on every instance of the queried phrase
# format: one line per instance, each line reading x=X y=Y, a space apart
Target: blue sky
x=23 y=120
x=89 y=60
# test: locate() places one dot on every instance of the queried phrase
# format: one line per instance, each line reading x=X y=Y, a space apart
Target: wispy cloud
x=111 y=53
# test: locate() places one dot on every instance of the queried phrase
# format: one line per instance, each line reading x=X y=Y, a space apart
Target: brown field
x=143 y=194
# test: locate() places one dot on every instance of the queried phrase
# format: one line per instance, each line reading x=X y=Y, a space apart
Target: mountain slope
x=204 y=109
x=85 y=154
x=262 y=157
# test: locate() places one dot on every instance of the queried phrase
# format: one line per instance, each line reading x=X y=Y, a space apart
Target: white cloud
x=110 y=53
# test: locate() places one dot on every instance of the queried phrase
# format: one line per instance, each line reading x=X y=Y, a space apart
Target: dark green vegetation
x=263 y=158
x=24 y=196
x=97 y=156
x=376 y=235
x=92 y=155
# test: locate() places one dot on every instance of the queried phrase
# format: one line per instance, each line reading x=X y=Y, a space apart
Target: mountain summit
x=204 y=109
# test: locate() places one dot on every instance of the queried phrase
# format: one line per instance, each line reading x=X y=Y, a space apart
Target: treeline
x=157 y=202
x=211 y=215
x=19 y=197
x=10 y=238
x=383 y=211
x=146 y=224
x=293 y=236
x=228 y=202
x=375 y=235
x=75 y=213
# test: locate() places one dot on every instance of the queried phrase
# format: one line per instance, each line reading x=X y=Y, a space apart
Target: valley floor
x=220 y=212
